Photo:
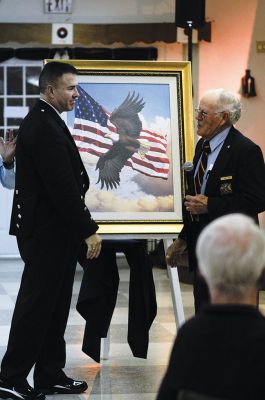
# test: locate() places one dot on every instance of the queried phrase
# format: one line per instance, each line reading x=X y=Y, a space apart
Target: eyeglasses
x=203 y=114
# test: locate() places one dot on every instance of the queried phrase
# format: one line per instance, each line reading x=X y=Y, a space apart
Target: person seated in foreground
x=220 y=352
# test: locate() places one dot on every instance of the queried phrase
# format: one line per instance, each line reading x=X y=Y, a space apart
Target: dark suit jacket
x=219 y=352
x=51 y=180
x=236 y=184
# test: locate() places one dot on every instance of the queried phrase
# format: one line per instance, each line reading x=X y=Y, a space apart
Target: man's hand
x=93 y=246
x=8 y=147
x=175 y=252
x=196 y=204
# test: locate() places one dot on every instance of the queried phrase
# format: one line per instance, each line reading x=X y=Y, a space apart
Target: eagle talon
x=143 y=149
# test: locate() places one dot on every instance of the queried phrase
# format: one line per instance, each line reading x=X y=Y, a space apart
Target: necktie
x=206 y=150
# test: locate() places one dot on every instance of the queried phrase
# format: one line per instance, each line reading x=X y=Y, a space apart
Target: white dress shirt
x=7 y=176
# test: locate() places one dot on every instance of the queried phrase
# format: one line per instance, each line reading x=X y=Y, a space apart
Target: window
x=18 y=91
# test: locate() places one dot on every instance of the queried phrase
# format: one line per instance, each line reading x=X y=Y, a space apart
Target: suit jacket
x=236 y=184
x=219 y=352
x=51 y=180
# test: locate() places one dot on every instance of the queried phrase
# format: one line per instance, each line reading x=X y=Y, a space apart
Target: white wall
x=91 y=11
x=237 y=25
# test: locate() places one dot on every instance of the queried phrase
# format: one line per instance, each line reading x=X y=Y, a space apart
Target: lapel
x=56 y=117
x=223 y=158
x=53 y=114
x=198 y=152
x=42 y=105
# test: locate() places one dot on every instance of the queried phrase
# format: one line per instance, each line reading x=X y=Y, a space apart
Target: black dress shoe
x=19 y=392
x=67 y=386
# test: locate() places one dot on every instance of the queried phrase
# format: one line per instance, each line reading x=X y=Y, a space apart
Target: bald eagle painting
x=128 y=126
x=117 y=139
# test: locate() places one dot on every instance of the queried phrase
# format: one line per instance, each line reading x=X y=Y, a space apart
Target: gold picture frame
x=164 y=90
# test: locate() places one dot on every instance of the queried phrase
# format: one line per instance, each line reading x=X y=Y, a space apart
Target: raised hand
x=8 y=147
x=175 y=252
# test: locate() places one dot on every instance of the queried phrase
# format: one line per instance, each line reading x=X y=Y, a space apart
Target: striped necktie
x=206 y=150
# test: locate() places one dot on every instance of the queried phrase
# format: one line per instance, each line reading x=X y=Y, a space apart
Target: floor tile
x=121 y=376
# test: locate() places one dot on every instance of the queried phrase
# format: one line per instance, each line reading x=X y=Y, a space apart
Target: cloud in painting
x=106 y=201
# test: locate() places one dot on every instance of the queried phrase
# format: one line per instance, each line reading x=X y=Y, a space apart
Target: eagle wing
x=110 y=165
x=128 y=124
x=125 y=118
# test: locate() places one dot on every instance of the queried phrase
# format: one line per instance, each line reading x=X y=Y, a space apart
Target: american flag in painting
x=92 y=123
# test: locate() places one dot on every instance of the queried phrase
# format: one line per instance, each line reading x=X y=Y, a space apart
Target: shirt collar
x=230 y=309
x=218 y=139
x=51 y=106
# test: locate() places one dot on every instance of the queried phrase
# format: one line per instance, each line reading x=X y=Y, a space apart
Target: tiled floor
x=122 y=376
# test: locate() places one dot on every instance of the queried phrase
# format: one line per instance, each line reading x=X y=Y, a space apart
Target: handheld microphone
x=189 y=180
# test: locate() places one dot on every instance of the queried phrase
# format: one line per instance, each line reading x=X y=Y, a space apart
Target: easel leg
x=175 y=289
x=105 y=345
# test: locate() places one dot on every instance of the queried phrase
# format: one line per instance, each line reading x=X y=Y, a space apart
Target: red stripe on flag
x=158 y=146
x=97 y=143
x=143 y=163
x=90 y=151
x=87 y=128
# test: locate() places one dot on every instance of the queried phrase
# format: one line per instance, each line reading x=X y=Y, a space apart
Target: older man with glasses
x=228 y=174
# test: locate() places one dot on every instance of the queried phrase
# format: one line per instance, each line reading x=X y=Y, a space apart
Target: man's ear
x=50 y=91
x=226 y=116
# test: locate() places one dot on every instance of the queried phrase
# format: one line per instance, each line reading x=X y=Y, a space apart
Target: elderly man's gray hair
x=226 y=101
x=231 y=254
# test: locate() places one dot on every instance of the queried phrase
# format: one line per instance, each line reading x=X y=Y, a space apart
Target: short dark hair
x=52 y=71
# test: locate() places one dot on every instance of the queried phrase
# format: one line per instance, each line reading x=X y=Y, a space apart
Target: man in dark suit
x=50 y=220
x=232 y=180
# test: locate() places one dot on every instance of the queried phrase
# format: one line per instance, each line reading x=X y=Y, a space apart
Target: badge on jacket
x=226 y=185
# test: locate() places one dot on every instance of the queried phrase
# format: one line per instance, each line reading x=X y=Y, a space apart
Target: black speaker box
x=135 y=53
x=190 y=10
